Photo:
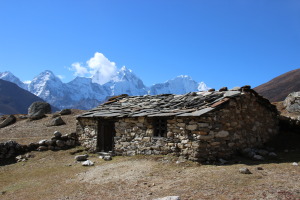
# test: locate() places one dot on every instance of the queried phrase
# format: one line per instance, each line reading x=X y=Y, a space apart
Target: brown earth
x=56 y=175
x=26 y=131
x=279 y=87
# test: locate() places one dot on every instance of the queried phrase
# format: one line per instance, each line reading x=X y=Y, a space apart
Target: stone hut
x=197 y=126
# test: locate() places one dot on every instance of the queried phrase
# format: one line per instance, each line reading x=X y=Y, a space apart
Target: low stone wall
x=11 y=149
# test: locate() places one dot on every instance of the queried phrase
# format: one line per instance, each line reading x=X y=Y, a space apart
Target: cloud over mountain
x=99 y=67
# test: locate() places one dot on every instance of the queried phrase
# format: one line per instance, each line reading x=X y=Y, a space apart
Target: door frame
x=106 y=132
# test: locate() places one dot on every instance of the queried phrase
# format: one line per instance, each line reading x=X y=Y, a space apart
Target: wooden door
x=106 y=133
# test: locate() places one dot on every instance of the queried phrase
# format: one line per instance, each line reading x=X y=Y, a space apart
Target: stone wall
x=87 y=130
x=11 y=149
x=239 y=123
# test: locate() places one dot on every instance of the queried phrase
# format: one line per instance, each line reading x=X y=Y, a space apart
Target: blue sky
x=221 y=42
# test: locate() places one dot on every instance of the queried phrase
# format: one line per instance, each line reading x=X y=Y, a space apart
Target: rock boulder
x=9 y=120
x=292 y=102
x=37 y=110
x=56 y=122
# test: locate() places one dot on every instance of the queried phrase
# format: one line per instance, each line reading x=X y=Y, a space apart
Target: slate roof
x=165 y=105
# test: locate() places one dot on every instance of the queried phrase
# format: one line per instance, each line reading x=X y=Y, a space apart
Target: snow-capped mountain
x=8 y=76
x=84 y=93
x=48 y=87
x=126 y=82
x=179 y=85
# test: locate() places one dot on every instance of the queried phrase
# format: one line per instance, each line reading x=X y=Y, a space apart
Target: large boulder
x=292 y=102
x=37 y=110
x=56 y=122
x=9 y=120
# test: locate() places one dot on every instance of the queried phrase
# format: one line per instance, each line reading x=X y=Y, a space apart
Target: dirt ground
x=56 y=175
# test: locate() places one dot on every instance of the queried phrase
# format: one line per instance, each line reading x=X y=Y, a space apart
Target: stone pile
x=58 y=142
x=11 y=149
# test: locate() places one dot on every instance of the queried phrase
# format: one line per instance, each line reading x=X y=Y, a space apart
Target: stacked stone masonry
x=237 y=123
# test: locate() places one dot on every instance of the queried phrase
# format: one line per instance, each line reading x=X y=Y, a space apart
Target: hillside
x=15 y=100
x=279 y=87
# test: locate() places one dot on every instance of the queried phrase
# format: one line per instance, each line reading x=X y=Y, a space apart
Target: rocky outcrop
x=292 y=102
x=37 y=110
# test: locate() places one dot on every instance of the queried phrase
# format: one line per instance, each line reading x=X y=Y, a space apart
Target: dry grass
x=26 y=131
x=55 y=175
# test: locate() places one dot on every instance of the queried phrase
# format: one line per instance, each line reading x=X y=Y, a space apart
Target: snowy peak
x=126 y=82
x=8 y=76
x=86 y=93
x=179 y=85
x=46 y=76
x=202 y=87
x=126 y=75
x=46 y=84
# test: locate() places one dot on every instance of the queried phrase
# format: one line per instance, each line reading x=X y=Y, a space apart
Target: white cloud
x=101 y=68
x=79 y=70
x=98 y=67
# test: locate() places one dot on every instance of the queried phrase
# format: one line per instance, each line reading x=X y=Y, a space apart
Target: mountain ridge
x=15 y=100
x=86 y=93
x=278 y=88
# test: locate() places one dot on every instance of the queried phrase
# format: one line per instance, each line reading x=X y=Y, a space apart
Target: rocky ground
x=25 y=131
x=56 y=174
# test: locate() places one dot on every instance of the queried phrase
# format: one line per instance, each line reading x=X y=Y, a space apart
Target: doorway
x=106 y=134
